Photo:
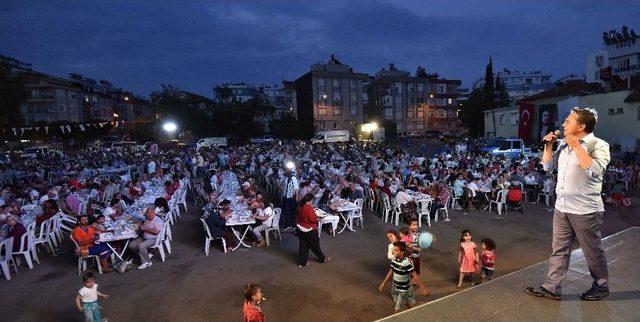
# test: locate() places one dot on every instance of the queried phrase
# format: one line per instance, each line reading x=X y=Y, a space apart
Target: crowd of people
x=298 y=176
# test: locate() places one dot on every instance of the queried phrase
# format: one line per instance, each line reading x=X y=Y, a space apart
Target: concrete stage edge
x=504 y=298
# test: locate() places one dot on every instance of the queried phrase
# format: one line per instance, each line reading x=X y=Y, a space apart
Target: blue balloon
x=425 y=239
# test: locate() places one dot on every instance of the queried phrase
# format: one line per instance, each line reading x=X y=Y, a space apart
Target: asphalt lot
x=190 y=286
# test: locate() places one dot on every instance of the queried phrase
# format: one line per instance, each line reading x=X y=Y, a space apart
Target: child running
x=87 y=299
x=468 y=257
x=402 y=272
x=488 y=259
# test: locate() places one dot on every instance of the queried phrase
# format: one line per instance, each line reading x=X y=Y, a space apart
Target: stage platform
x=504 y=298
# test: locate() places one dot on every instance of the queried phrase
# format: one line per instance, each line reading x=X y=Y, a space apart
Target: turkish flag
x=525 y=122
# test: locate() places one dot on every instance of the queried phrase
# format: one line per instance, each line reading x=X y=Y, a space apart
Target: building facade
x=501 y=122
x=239 y=92
x=330 y=96
x=619 y=56
x=51 y=99
x=413 y=104
x=97 y=103
x=521 y=84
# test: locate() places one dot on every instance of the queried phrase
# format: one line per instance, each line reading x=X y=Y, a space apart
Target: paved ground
x=190 y=286
x=504 y=299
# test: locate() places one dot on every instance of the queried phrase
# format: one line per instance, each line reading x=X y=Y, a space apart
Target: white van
x=124 y=145
x=212 y=141
x=331 y=136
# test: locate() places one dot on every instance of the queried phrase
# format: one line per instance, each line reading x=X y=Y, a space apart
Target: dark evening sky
x=139 y=45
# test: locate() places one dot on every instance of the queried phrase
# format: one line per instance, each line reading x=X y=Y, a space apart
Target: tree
x=488 y=85
x=12 y=95
x=473 y=112
x=501 y=95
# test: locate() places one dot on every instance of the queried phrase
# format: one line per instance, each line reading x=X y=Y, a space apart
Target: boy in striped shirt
x=402 y=272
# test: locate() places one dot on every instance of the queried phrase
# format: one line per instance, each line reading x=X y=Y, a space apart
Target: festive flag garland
x=64 y=129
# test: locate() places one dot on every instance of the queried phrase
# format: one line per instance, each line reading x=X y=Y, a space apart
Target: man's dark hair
x=587 y=118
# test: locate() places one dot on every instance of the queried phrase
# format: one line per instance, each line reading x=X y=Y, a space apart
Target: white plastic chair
x=159 y=244
x=423 y=211
x=27 y=249
x=546 y=192
x=387 y=210
x=444 y=210
x=7 y=258
x=397 y=211
x=27 y=208
x=82 y=260
x=357 y=213
x=500 y=202
x=208 y=239
x=44 y=235
x=275 y=226
x=454 y=199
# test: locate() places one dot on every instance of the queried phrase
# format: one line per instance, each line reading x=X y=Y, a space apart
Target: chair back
x=206 y=228
x=359 y=202
x=7 y=245
x=75 y=244
x=28 y=208
x=162 y=235
x=423 y=207
x=275 y=223
x=26 y=241
x=547 y=187
x=501 y=196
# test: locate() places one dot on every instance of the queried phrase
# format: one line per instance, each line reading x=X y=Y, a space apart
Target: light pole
x=169 y=127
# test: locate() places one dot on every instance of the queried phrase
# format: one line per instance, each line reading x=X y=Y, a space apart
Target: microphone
x=556 y=133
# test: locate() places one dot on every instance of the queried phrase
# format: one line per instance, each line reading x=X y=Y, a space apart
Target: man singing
x=581 y=160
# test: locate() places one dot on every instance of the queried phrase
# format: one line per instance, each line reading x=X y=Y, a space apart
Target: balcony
x=627 y=68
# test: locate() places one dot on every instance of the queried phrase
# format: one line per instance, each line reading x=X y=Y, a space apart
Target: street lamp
x=169 y=127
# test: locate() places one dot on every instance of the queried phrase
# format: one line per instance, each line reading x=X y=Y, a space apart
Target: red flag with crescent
x=525 y=122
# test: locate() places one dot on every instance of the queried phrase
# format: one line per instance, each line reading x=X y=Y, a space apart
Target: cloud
x=196 y=45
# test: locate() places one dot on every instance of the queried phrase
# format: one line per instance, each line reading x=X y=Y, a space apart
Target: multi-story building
x=239 y=92
x=521 y=84
x=330 y=96
x=620 y=56
x=281 y=97
x=413 y=103
x=51 y=99
x=97 y=103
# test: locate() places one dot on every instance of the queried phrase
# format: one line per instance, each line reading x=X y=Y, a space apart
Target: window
x=420 y=126
x=420 y=89
x=400 y=127
x=441 y=89
x=611 y=111
x=335 y=125
x=388 y=113
x=354 y=99
x=322 y=97
x=514 y=118
x=527 y=81
x=337 y=99
x=399 y=115
x=409 y=112
x=442 y=114
x=450 y=113
x=352 y=85
x=336 y=85
x=353 y=110
x=61 y=107
x=337 y=111
x=620 y=110
x=321 y=82
x=502 y=119
x=409 y=126
x=321 y=125
x=449 y=101
x=398 y=101
x=397 y=87
x=420 y=113
x=322 y=111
